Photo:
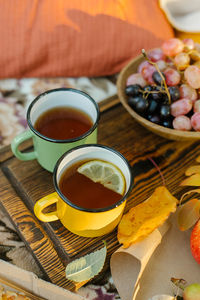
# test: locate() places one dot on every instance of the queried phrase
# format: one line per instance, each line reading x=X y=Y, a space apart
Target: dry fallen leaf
x=193 y=180
x=197 y=191
x=193 y=170
x=190 y=211
x=189 y=214
x=142 y=219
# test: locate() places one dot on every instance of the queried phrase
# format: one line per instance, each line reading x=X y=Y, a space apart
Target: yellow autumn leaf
x=142 y=219
x=193 y=170
x=193 y=180
x=198 y=159
x=188 y=214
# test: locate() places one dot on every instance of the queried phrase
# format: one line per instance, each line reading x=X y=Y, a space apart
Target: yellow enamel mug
x=82 y=221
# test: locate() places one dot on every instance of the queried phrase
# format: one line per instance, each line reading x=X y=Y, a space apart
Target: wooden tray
x=23 y=183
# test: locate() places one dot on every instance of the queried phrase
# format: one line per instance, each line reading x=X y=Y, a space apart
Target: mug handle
x=43 y=203
x=20 y=138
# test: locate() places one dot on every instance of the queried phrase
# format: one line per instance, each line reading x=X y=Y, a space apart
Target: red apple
x=195 y=242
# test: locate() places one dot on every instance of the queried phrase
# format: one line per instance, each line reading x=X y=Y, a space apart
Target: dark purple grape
x=174 y=92
x=167 y=123
x=153 y=106
x=142 y=105
x=148 y=88
x=156 y=95
x=157 y=78
x=147 y=91
x=133 y=90
x=160 y=94
x=132 y=101
x=164 y=111
x=154 y=118
x=164 y=98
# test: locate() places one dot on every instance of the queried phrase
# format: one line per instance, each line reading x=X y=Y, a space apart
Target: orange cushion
x=76 y=37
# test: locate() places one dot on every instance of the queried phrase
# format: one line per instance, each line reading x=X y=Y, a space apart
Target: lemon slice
x=105 y=173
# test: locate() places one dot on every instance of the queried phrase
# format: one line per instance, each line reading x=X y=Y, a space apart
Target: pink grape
x=196 y=106
x=156 y=54
x=189 y=44
x=136 y=78
x=195 y=121
x=162 y=65
x=187 y=91
x=170 y=63
x=172 y=77
x=192 y=76
x=142 y=65
x=182 y=61
x=147 y=72
x=182 y=123
x=181 y=107
x=197 y=46
x=172 y=47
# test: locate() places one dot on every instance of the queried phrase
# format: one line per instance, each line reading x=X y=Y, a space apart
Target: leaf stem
x=180 y=283
x=158 y=169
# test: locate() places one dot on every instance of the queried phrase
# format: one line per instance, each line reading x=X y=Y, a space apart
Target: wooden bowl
x=167 y=133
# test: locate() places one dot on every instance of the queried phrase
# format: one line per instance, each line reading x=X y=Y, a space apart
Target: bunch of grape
x=165 y=90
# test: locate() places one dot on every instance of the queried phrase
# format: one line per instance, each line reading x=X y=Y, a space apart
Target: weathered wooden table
x=23 y=183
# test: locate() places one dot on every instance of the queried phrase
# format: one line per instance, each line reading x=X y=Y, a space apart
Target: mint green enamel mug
x=48 y=150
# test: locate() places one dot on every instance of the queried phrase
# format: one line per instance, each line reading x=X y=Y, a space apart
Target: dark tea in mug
x=84 y=192
x=62 y=123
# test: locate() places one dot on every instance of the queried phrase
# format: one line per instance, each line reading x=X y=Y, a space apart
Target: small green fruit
x=192 y=292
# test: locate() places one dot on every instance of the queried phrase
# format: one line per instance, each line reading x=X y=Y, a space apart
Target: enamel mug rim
x=31 y=126
x=104 y=209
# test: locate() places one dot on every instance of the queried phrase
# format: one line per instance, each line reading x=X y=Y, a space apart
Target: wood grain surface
x=23 y=183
